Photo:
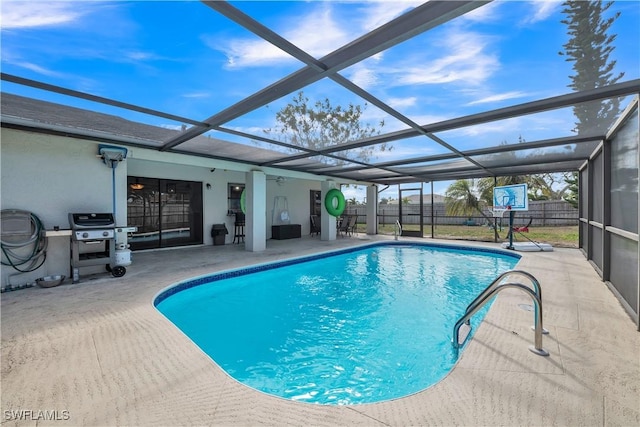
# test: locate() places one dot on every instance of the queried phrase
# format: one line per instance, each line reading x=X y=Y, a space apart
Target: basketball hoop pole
x=511 y=215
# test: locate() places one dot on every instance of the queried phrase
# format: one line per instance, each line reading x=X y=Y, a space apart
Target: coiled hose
x=24 y=250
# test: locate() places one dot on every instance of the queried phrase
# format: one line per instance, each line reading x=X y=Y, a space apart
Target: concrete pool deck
x=98 y=353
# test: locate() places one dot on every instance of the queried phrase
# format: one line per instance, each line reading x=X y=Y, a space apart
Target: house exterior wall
x=297 y=196
x=52 y=176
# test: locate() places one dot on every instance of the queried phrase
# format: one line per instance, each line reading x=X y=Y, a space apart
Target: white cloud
x=335 y=34
x=467 y=61
x=141 y=56
x=35 y=14
x=542 y=9
x=498 y=97
x=532 y=128
x=402 y=102
x=38 y=69
x=363 y=76
x=490 y=128
x=427 y=119
x=485 y=13
x=378 y=13
x=197 y=95
x=247 y=53
x=254 y=52
x=332 y=37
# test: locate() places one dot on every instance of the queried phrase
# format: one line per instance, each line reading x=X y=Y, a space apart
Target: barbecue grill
x=93 y=243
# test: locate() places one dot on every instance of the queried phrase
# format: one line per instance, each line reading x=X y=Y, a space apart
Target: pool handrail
x=397 y=230
x=537 y=303
x=536 y=288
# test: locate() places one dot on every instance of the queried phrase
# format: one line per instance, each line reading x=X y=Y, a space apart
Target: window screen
x=624 y=177
x=596 y=191
x=596 y=246
x=584 y=193
x=624 y=269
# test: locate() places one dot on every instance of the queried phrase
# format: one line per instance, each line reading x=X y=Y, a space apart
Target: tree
x=589 y=47
x=320 y=125
x=461 y=199
x=540 y=186
x=571 y=196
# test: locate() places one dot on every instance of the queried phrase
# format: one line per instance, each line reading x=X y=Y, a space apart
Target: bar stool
x=239 y=227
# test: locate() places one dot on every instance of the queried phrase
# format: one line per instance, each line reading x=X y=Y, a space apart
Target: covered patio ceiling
x=535 y=136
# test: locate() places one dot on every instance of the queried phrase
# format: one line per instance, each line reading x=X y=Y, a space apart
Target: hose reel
x=23 y=240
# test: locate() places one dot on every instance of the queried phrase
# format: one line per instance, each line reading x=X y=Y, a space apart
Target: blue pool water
x=361 y=326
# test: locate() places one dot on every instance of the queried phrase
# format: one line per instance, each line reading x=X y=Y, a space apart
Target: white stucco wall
x=52 y=176
x=297 y=196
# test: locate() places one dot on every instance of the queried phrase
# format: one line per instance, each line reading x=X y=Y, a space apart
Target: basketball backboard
x=514 y=196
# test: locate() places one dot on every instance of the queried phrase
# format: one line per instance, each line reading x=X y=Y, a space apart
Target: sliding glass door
x=167 y=212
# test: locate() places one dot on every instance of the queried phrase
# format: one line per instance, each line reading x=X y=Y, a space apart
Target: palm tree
x=460 y=200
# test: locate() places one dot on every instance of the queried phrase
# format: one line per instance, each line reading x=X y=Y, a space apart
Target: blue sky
x=183 y=58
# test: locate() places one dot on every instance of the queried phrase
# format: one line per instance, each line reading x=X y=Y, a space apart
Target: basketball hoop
x=498 y=211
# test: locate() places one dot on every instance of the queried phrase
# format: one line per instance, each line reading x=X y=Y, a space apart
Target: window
x=315 y=205
x=234 y=194
x=167 y=212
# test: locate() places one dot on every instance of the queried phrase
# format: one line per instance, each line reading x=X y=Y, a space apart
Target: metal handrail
x=537 y=303
x=397 y=231
x=536 y=288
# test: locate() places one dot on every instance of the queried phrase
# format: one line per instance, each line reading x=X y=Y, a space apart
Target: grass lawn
x=560 y=236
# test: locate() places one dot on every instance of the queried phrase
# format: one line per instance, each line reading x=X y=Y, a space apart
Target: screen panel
x=584 y=236
x=597 y=190
x=623 y=276
x=624 y=176
x=584 y=193
x=596 y=246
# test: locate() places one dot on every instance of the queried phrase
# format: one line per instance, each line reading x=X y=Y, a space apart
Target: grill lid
x=91 y=220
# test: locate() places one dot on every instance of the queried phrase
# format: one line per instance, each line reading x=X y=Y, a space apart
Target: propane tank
x=123 y=255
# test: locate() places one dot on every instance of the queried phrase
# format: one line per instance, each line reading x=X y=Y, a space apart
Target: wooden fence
x=541 y=213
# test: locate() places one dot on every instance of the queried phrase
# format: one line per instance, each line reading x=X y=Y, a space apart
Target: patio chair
x=353 y=224
x=342 y=224
x=315 y=225
x=348 y=224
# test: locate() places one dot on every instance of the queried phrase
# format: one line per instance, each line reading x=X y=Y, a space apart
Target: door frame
x=412 y=233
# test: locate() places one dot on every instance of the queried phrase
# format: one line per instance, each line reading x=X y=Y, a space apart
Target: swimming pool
x=356 y=326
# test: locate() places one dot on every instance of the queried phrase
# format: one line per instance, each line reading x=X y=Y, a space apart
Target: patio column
x=327 y=222
x=372 y=209
x=256 y=215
